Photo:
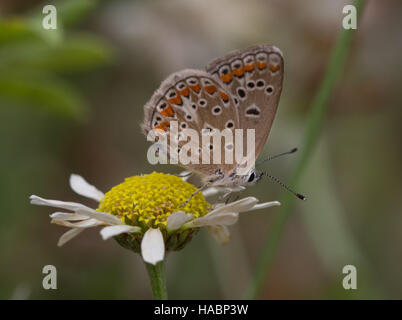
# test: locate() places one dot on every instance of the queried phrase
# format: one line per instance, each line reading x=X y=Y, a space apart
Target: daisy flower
x=146 y=213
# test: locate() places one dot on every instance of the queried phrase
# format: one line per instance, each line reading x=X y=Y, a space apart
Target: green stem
x=315 y=122
x=157 y=277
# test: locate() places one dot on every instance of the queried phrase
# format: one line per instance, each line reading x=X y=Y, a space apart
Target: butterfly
x=239 y=91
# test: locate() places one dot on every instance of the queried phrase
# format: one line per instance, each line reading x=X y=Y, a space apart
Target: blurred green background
x=71 y=101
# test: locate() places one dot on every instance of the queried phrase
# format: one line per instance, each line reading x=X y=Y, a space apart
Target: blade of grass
x=315 y=122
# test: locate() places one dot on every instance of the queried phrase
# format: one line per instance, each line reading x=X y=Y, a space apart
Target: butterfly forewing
x=253 y=77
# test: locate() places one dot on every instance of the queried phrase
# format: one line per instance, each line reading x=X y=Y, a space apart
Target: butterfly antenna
x=277 y=156
x=300 y=196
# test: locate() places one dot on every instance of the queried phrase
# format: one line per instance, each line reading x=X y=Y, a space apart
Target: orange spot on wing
x=226 y=77
x=163 y=126
x=168 y=111
x=261 y=65
x=195 y=88
x=238 y=72
x=210 y=89
x=274 y=68
x=185 y=92
x=249 y=67
x=176 y=100
x=224 y=96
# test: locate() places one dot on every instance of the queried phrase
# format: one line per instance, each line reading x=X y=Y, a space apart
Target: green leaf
x=44 y=92
x=14 y=30
x=75 y=54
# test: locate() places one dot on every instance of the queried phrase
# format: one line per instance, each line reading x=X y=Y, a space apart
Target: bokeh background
x=71 y=101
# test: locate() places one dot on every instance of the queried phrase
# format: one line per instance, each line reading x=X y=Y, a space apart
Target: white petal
x=223 y=218
x=111 y=231
x=89 y=223
x=265 y=205
x=185 y=175
x=68 y=216
x=153 y=246
x=72 y=233
x=177 y=219
x=73 y=206
x=101 y=216
x=220 y=233
x=211 y=191
x=241 y=205
x=83 y=188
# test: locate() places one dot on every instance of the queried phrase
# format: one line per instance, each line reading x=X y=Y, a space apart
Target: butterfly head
x=252 y=177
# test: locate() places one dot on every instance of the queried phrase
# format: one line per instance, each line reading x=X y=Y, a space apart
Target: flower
x=148 y=214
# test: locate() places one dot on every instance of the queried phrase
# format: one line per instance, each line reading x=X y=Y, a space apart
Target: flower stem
x=158 y=282
x=315 y=122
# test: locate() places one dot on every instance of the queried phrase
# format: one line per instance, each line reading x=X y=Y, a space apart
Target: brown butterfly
x=238 y=91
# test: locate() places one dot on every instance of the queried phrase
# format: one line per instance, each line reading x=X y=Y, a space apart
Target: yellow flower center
x=148 y=200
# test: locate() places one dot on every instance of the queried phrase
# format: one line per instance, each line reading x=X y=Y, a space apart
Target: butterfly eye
x=251 y=177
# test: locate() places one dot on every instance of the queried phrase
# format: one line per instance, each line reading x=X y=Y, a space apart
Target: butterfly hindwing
x=195 y=100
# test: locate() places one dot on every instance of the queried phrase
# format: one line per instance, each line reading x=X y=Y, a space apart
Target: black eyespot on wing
x=216 y=110
x=260 y=83
x=241 y=92
x=229 y=124
x=250 y=84
x=252 y=112
x=269 y=90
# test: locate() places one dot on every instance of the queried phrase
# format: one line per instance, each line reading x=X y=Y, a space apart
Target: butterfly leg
x=227 y=195
x=236 y=198
x=206 y=185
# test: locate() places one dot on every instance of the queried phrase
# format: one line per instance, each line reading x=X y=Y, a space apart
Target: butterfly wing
x=195 y=100
x=253 y=77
